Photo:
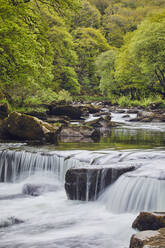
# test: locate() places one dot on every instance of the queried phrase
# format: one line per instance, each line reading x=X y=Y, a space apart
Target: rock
x=89 y=182
x=39 y=114
x=58 y=119
x=120 y=111
x=145 y=116
x=10 y=222
x=149 y=221
x=38 y=189
x=72 y=111
x=80 y=131
x=4 y=110
x=126 y=116
x=92 y=109
x=95 y=123
x=106 y=103
x=101 y=122
x=24 y=127
x=98 y=114
x=132 y=111
x=135 y=119
x=148 y=239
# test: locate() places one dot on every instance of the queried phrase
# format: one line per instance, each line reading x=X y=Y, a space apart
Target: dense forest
x=59 y=49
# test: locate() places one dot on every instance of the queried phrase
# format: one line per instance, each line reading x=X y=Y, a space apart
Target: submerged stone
x=38 y=189
x=89 y=182
x=10 y=222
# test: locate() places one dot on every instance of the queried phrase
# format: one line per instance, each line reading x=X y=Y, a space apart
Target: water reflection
x=121 y=138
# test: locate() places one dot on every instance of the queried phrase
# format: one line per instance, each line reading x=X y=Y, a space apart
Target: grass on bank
x=39 y=103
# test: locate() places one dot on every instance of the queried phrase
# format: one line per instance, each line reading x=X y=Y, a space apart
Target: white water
x=154 y=126
x=16 y=164
x=53 y=221
x=134 y=194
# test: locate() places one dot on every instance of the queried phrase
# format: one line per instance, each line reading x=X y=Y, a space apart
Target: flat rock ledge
x=148 y=239
x=89 y=182
x=149 y=221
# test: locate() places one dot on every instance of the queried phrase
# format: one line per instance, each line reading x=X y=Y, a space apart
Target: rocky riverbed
x=117 y=177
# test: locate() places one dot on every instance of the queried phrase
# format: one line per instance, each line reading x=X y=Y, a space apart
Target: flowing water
x=51 y=220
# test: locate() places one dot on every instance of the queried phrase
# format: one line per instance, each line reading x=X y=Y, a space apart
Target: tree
x=64 y=56
x=25 y=53
x=123 y=16
x=105 y=64
x=101 y=5
x=142 y=60
x=89 y=43
x=88 y=16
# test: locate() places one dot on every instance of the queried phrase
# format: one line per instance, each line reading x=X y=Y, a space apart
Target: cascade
x=17 y=164
x=134 y=194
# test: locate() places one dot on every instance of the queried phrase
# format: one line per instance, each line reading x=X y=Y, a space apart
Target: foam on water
x=155 y=126
x=139 y=190
x=53 y=221
x=50 y=220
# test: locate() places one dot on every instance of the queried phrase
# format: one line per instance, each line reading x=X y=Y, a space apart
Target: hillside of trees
x=56 y=49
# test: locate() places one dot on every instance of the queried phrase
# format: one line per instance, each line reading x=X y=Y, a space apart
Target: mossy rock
x=24 y=127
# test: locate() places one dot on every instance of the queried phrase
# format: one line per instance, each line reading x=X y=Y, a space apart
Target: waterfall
x=134 y=194
x=17 y=164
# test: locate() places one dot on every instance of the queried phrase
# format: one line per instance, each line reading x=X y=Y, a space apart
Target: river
x=51 y=220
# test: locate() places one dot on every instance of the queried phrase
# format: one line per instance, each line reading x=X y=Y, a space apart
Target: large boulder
x=89 y=182
x=24 y=127
x=74 y=112
x=148 y=239
x=80 y=131
x=149 y=221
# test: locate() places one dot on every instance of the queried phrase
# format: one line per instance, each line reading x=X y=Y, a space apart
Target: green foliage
x=125 y=101
x=65 y=60
x=50 y=50
x=88 y=16
x=25 y=53
x=64 y=95
x=124 y=16
x=101 y=5
x=105 y=64
x=89 y=43
x=141 y=62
